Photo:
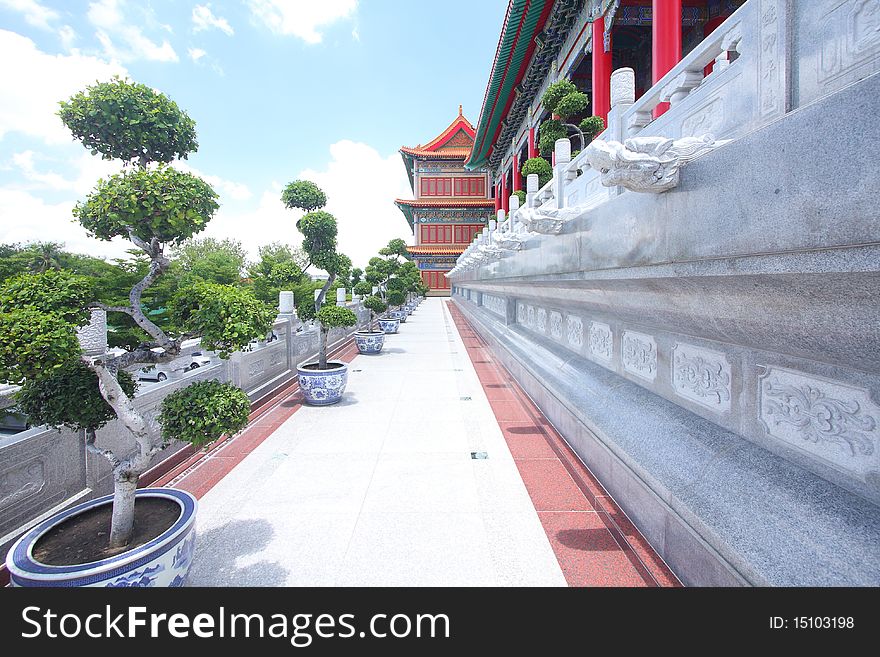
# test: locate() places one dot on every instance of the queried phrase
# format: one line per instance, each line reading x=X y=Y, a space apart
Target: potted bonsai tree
x=132 y=537
x=322 y=382
x=564 y=101
x=372 y=339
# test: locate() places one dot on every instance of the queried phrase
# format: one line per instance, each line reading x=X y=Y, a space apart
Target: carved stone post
x=532 y=187
x=93 y=336
x=562 y=150
x=340 y=296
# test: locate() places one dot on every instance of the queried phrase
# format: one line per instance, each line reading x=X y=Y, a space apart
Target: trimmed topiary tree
x=153 y=205
x=539 y=166
x=564 y=101
x=592 y=126
x=387 y=272
x=319 y=242
x=376 y=306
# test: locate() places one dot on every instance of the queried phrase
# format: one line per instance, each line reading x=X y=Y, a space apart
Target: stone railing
x=43 y=470
x=710 y=349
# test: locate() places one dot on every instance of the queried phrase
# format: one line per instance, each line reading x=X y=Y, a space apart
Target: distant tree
x=210 y=260
x=357 y=275
x=45 y=256
x=280 y=267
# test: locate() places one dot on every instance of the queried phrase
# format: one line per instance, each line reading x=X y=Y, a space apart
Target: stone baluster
x=340 y=296
x=680 y=86
x=562 y=150
x=532 y=187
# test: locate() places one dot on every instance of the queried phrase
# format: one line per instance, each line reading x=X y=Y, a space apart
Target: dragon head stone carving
x=646 y=164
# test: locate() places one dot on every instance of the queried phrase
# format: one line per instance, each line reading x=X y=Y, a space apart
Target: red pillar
x=666 y=34
x=497 y=192
x=517 y=183
x=601 y=71
x=533 y=152
x=505 y=195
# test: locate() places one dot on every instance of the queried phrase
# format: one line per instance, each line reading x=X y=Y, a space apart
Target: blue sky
x=279 y=89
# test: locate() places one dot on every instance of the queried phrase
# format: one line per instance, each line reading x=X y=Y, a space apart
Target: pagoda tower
x=451 y=203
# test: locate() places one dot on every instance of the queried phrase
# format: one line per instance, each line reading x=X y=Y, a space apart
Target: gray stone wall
x=712 y=352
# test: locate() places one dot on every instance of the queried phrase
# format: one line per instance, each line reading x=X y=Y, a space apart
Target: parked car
x=156 y=373
x=198 y=359
x=13 y=421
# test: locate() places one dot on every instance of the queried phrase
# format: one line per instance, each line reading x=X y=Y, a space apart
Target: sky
x=280 y=90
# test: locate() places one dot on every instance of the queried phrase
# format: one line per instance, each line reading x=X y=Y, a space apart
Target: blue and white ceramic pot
x=369 y=342
x=389 y=324
x=399 y=314
x=322 y=387
x=162 y=562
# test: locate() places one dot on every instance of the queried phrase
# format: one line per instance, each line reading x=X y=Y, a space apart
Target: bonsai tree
x=592 y=126
x=383 y=269
x=539 y=166
x=319 y=231
x=376 y=306
x=364 y=290
x=155 y=207
x=564 y=101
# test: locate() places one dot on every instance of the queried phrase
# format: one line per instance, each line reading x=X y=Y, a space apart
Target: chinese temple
x=451 y=204
x=582 y=41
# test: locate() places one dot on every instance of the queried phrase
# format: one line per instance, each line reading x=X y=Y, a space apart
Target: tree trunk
x=126 y=473
x=122 y=523
x=322 y=348
x=322 y=351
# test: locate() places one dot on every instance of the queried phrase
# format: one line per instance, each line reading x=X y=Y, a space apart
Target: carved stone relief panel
x=702 y=376
x=639 y=353
x=830 y=420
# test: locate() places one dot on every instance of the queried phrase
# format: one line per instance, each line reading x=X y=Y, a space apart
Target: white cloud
x=68 y=36
x=204 y=19
x=34 y=219
x=361 y=186
x=196 y=54
x=30 y=108
x=34 y=12
x=228 y=189
x=302 y=18
x=113 y=28
x=87 y=170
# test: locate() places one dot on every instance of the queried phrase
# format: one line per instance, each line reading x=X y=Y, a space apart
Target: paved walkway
x=382 y=489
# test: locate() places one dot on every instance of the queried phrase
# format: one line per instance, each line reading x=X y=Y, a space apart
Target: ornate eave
x=520 y=68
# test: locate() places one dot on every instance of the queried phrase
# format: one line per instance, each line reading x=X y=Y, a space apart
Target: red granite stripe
x=594 y=541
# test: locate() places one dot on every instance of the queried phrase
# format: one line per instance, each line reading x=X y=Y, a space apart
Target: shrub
x=303 y=194
x=592 y=126
x=574 y=103
x=333 y=316
x=70 y=397
x=363 y=289
x=164 y=203
x=548 y=133
x=555 y=93
x=539 y=166
x=129 y=121
x=203 y=412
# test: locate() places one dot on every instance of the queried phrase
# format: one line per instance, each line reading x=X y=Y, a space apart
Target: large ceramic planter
x=399 y=315
x=369 y=342
x=389 y=324
x=162 y=562
x=323 y=387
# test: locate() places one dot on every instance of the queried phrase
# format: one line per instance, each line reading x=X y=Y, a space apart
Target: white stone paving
x=380 y=489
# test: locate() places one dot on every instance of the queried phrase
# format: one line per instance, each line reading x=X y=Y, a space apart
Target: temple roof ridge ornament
x=646 y=164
